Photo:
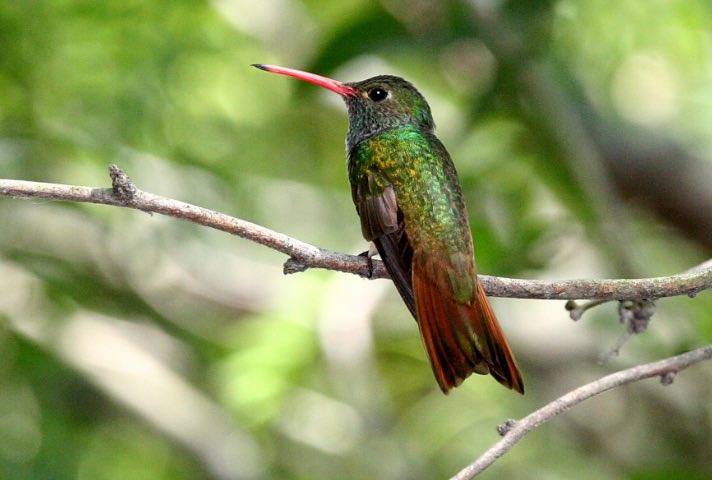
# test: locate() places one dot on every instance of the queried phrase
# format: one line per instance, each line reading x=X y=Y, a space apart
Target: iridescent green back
x=428 y=194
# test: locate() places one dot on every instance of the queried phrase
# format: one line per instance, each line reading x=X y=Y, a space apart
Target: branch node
x=637 y=314
x=292 y=265
x=506 y=427
x=668 y=377
x=121 y=184
x=574 y=310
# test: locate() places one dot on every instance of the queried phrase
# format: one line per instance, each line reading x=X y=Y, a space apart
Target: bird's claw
x=369 y=254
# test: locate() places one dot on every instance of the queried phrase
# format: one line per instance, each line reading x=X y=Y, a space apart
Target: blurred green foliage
x=146 y=348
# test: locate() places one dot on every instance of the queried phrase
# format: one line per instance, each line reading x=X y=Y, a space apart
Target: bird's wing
x=382 y=224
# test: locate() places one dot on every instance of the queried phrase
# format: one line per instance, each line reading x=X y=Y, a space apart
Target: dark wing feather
x=382 y=224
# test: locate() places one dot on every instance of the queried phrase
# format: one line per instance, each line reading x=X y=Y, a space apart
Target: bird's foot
x=369 y=254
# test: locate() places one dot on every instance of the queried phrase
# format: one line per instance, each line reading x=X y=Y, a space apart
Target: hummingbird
x=410 y=204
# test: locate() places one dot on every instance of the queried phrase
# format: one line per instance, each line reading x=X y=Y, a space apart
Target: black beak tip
x=260 y=66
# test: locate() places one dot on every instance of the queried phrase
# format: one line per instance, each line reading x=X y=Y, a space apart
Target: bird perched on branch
x=410 y=203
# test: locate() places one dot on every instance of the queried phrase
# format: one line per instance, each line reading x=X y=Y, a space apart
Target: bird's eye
x=377 y=94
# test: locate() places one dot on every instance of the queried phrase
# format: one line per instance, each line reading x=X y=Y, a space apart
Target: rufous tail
x=461 y=338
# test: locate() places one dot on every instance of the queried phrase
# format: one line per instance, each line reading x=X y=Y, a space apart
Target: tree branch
x=303 y=256
x=513 y=431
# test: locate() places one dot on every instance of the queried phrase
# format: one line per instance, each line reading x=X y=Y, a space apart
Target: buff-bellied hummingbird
x=410 y=203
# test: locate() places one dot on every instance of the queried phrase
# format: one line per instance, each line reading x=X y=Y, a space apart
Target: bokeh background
x=141 y=347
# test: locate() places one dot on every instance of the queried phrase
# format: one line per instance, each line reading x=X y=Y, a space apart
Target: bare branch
x=303 y=255
x=576 y=310
x=513 y=431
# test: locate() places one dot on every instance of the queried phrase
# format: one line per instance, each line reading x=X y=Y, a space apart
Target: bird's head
x=374 y=105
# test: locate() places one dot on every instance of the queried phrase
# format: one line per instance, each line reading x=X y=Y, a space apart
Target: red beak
x=327 y=83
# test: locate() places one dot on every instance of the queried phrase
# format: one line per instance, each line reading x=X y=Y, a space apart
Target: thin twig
x=303 y=255
x=637 y=315
x=516 y=430
x=576 y=310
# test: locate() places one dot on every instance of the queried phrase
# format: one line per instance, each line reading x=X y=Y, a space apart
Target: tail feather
x=502 y=366
x=461 y=338
x=447 y=359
